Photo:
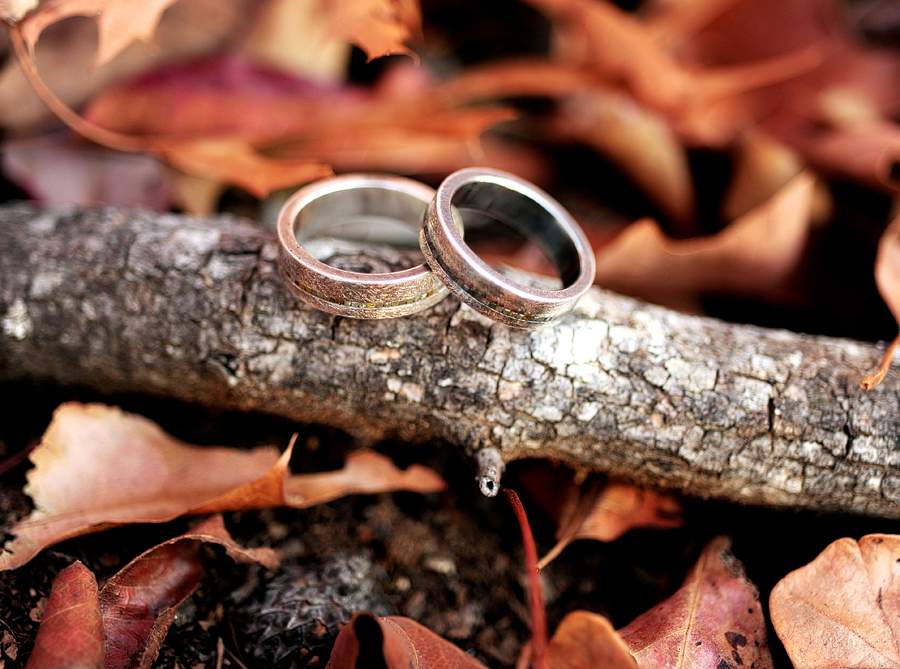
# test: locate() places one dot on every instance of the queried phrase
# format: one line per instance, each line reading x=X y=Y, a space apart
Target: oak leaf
x=71 y=631
x=713 y=620
x=843 y=608
x=98 y=467
x=378 y=27
x=754 y=255
x=119 y=22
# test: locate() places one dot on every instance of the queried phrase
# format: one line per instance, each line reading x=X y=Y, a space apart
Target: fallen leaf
x=119 y=22
x=62 y=168
x=98 y=467
x=365 y=472
x=762 y=166
x=124 y=624
x=368 y=642
x=378 y=27
x=587 y=640
x=139 y=603
x=887 y=279
x=637 y=140
x=713 y=620
x=753 y=256
x=71 y=631
x=13 y=10
x=237 y=162
x=604 y=512
x=843 y=608
x=703 y=104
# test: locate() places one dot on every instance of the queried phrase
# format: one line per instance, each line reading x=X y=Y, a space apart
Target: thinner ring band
x=346 y=199
x=525 y=208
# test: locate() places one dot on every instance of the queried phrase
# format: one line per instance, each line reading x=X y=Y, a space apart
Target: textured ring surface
x=370 y=199
x=525 y=208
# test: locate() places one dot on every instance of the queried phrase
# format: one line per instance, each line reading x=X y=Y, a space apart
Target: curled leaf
x=606 y=512
x=367 y=642
x=71 y=632
x=98 y=467
x=119 y=23
x=713 y=620
x=752 y=256
x=843 y=608
x=139 y=603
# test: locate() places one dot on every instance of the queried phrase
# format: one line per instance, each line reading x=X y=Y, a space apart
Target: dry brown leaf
x=713 y=620
x=378 y=27
x=367 y=642
x=124 y=624
x=71 y=631
x=887 y=279
x=586 y=640
x=843 y=608
x=66 y=57
x=237 y=162
x=140 y=601
x=365 y=472
x=98 y=467
x=13 y=10
x=752 y=257
x=119 y=22
x=762 y=166
x=639 y=141
x=604 y=512
x=704 y=105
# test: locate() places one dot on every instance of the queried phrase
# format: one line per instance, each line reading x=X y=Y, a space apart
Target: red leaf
x=71 y=632
x=140 y=601
x=367 y=642
x=714 y=618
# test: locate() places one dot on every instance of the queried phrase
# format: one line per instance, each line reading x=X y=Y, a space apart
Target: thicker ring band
x=525 y=208
x=333 y=202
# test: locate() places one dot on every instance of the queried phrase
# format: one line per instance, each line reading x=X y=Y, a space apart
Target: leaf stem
x=535 y=590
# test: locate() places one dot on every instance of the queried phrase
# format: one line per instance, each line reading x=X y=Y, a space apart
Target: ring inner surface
x=520 y=212
x=370 y=214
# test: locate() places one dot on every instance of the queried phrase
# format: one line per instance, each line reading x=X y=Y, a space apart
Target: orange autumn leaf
x=606 y=512
x=119 y=22
x=887 y=279
x=378 y=27
x=98 y=467
x=752 y=256
x=395 y=643
x=713 y=620
x=587 y=640
x=843 y=608
x=71 y=631
x=236 y=162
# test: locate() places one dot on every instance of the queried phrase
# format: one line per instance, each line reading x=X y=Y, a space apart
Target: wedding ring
x=368 y=199
x=527 y=209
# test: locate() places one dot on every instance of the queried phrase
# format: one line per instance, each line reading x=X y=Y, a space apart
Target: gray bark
x=195 y=310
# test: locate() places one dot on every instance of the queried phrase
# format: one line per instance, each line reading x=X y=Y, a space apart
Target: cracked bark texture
x=195 y=309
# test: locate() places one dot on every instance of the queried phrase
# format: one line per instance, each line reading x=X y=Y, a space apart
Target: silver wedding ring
x=474 y=193
x=355 y=198
x=530 y=211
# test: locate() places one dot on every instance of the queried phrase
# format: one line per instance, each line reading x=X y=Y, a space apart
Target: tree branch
x=195 y=310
